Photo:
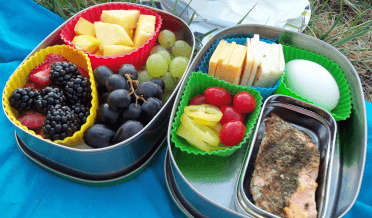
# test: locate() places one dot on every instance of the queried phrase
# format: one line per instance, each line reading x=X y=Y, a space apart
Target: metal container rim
x=248 y=205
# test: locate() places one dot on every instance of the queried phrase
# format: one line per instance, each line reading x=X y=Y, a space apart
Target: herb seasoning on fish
x=286 y=168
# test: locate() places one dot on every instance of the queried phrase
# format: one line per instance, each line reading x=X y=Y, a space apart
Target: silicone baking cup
x=137 y=57
x=20 y=78
x=343 y=109
x=204 y=64
x=196 y=85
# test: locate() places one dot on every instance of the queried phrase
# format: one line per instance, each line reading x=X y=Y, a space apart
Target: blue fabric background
x=27 y=190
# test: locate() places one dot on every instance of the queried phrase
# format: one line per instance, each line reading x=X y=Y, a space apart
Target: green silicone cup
x=197 y=83
x=343 y=109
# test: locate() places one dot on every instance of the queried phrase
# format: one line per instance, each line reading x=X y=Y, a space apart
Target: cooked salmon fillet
x=285 y=171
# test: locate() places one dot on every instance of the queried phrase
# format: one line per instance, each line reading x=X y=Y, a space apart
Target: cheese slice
x=221 y=72
x=256 y=69
x=224 y=54
x=215 y=57
x=235 y=66
x=248 y=64
x=275 y=73
x=266 y=65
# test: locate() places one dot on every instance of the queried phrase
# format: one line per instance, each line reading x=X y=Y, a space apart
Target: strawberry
x=52 y=58
x=32 y=120
x=49 y=60
x=40 y=67
x=34 y=86
x=42 y=77
x=83 y=72
x=40 y=132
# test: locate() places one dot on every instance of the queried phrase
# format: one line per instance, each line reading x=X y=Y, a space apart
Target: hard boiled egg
x=312 y=82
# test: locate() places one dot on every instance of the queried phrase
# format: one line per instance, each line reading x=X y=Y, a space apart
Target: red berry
x=32 y=120
x=42 y=77
x=244 y=102
x=232 y=133
x=217 y=96
x=198 y=100
x=52 y=58
x=34 y=86
x=49 y=60
x=40 y=67
x=230 y=113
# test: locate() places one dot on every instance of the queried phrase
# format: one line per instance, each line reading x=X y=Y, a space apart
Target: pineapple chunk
x=84 y=27
x=86 y=43
x=126 y=18
x=114 y=50
x=112 y=34
x=145 y=29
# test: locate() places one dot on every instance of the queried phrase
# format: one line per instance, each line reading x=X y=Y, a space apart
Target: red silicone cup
x=137 y=57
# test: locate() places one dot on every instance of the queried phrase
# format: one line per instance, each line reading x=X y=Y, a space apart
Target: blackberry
x=81 y=113
x=78 y=90
x=62 y=72
x=49 y=98
x=60 y=122
x=23 y=99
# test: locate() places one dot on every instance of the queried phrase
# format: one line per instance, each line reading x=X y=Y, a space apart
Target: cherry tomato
x=217 y=96
x=198 y=100
x=244 y=102
x=232 y=133
x=230 y=113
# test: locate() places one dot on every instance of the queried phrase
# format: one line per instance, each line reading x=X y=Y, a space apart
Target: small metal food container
x=114 y=164
x=207 y=187
x=315 y=122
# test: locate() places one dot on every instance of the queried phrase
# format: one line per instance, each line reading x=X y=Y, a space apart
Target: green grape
x=156 y=49
x=181 y=48
x=156 y=65
x=169 y=81
x=166 y=38
x=165 y=55
x=144 y=76
x=178 y=66
x=166 y=95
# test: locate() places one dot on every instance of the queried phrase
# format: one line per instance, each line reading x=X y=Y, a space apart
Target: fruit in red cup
x=244 y=102
x=230 y=113
x=198 y=100
x=217 y=96
x=232 y=133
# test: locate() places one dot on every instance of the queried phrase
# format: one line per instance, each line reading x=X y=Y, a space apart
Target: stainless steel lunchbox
x=315 y=122
x=113 y=164
x=208 y=188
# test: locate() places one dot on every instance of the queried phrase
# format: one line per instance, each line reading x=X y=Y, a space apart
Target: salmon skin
x=285 y=171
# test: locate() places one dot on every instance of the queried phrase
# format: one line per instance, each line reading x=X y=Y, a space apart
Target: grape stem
x=132 y=89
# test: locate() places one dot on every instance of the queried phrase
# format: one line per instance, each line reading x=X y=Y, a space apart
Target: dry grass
x=344 y=20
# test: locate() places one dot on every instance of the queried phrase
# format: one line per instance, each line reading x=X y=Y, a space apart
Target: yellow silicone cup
x=20 y=78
